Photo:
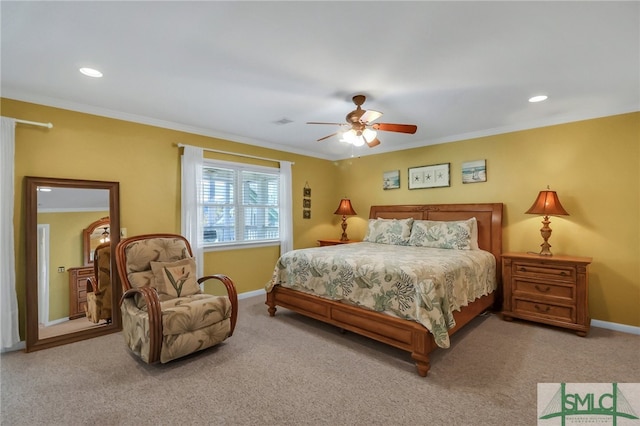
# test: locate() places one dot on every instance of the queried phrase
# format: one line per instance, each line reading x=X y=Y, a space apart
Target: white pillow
x=389 y=231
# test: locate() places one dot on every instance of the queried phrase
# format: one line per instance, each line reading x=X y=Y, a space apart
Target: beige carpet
x=290 y=370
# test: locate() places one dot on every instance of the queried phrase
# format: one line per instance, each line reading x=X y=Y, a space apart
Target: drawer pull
x=522 y=269
x=539 y=309
x=542 y=289
x=563 y=273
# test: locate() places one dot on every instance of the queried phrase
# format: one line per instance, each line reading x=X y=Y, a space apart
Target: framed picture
x=306 y=192
x=474 y=171
x=306 y=203
x=391 y=180
x=306 y=214
x=434 y=176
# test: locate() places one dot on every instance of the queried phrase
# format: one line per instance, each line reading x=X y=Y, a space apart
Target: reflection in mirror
x=62 y=216
x=93 y=235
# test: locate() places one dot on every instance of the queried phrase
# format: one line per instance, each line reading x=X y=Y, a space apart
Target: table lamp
x=547 y=204
x=345 y=210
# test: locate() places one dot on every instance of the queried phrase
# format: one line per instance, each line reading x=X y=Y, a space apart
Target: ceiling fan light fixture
x=349 y=136
x=362 y=131
x=369 y=134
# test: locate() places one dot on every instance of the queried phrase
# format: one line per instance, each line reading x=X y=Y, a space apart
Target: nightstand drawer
x=564 y=313
x=555 y=272
x=544 y=289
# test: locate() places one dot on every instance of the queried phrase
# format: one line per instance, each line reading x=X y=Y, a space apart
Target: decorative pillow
x=175 y=279
x=454 y=235
x=389 y=231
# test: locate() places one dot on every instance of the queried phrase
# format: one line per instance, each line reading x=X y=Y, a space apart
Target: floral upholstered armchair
x=99 y=286
x=165 y=314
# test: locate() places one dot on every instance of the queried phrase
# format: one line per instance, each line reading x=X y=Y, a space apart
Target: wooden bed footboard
x=403 y=334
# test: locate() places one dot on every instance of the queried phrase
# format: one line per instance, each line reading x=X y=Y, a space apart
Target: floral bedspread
x=417 y=283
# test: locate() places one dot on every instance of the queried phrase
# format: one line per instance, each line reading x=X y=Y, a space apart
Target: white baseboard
x=616 y=327
x=253 y=293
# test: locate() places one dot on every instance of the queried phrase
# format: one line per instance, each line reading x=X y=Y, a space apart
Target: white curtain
x=192 y=160
x=286 y=208
x=43 y=274
x=10 y=334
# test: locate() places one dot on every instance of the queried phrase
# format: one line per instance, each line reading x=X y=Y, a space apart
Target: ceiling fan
x=361 y=130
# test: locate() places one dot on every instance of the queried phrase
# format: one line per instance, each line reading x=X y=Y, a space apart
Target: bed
x=398 y=324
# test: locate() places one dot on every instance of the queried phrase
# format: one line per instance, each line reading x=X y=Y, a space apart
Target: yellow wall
x=592 y=164
x=146 y=162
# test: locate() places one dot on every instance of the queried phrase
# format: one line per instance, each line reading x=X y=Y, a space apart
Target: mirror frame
x=33 y=342
x=86 y=238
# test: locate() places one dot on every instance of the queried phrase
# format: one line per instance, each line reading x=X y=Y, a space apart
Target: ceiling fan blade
x=400 y=128
x=373 y=143
x=327 y=137
x=370 y=115
x=318 y=122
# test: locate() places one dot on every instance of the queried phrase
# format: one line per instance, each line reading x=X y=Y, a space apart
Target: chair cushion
x=175 y=279
x=186 y=314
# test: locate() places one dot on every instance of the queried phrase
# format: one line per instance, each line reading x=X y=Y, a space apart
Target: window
x=240 y=203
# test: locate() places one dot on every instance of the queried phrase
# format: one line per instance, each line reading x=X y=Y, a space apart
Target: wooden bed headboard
x=489 y=217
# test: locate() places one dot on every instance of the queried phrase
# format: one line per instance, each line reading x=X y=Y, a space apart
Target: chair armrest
x=92 y=285
x=154 y=311
x=231 y=292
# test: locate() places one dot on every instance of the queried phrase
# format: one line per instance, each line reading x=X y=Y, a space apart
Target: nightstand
x=324 y=243
x=547 y=289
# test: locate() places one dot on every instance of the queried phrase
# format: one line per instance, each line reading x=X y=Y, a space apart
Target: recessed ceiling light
x=538 y=98
x=90 y=72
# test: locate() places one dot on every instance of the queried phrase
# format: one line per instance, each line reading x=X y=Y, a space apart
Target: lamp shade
x=547 y=204
x=345 y=208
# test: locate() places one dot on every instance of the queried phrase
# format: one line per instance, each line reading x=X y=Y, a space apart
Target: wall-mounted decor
x=474 y=171
x=306 y=201
x=434 y=176
x=391 y=179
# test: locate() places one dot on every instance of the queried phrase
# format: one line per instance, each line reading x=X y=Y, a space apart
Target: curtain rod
x=181 y=145
x=34 y=123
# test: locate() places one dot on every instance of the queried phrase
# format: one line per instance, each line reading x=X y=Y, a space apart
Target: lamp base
x=344 y=229
x=545 y=231
x=545 y=249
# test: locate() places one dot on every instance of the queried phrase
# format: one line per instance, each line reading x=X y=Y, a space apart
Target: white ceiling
x=235 y=69
x=72 y=199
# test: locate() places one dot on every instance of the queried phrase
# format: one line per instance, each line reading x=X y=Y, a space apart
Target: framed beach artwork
x=391 y=180
x=474 y=171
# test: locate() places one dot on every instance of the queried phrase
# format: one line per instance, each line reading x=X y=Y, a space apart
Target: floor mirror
x=65 y=220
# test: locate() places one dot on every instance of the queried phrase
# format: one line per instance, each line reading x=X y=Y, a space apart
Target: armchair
x=165 y=314
x=99 y=286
